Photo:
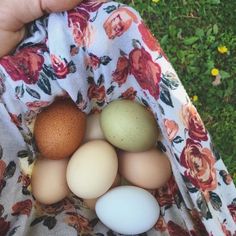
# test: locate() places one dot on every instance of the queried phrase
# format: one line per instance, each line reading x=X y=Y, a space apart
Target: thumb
x=34 y=9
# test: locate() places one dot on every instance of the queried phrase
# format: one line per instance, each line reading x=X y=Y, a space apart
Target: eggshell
x=129 y=126
x=93 y=128
x=49 y=180
x=59 y=129
x=150 y=169
x=92 y=169
x=90 y=203
x=128 y=210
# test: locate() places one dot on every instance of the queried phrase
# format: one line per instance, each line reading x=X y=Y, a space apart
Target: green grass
x=190 y=32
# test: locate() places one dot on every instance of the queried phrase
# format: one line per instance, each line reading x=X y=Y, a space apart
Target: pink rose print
x=199 y=163
x=193 y=122
x=78 y=21
x=171 y=128
x=119 y=22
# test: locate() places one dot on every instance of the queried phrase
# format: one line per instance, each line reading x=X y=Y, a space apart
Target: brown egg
x=49 y=180
x=59 y=129
x=90 y=203
x=150 y=169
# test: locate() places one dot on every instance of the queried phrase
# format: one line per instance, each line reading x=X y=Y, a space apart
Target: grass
x=190 y=32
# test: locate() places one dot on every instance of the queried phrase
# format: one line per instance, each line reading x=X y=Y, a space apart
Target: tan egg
x=92 y=169
x=90 y=203
x=59 y=129
x=93 y=129
x=150 y=169
x=49 y=180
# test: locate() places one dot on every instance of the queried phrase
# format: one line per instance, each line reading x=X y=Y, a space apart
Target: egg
x=93 y=129
x=59 y=129
x=92 y=169
x=90 y=203
x=128 y=210
x=150 y=169
x=49 y=180
x=129 y=126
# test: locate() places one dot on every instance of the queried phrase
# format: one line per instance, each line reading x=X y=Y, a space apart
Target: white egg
x=128 y=210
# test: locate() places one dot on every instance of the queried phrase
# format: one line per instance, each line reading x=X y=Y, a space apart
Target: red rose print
x=60 y=66
x=120 y=75
x=56 y=208
x=199 y=227
x=165 y=195
x=97 y=93
x=78 y=21
x=36 y=105
x=146 y=72
x=15 y=119
x=225 y=230
x=130 y=94
x=93 y=61
x=4 y=226
x=232 y=209
x=193 y=122
x=199 y=163
x=150 y=40
x=92 y=5
x=24 y=179
x=175 y=229
x=22 y=208
x=80 y=223
x=25 y=65
x=2 y=169
x=171 y=128
x=119 y=22
x=160 y=225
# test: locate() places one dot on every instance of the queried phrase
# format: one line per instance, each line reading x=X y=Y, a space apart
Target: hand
x=14 y=14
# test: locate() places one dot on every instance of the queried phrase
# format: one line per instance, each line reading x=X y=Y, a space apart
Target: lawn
x=190 y=32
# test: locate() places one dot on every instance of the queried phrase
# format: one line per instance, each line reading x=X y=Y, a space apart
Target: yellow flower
x=195 y=98
x=155 y=1
x=215 y=72
x=222 y=49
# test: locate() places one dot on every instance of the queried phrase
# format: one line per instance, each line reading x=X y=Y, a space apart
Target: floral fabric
x=96 y=53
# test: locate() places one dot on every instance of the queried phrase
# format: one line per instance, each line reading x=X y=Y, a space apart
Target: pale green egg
x=129 y=126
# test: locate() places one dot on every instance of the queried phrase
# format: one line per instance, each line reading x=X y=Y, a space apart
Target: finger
x=10 y=39
x=58 y=5
x=37 y=8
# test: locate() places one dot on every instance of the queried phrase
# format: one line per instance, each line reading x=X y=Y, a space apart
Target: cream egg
x=92 y=169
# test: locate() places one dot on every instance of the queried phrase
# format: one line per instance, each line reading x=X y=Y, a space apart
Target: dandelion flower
x=215 y=72
x=222 y=49
x=195 y=98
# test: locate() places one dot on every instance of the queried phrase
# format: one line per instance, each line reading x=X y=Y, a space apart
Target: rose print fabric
x=96 y=53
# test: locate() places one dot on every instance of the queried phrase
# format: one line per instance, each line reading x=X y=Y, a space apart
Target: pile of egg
x=107 y=159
